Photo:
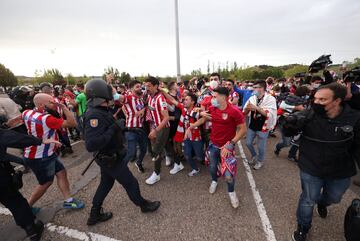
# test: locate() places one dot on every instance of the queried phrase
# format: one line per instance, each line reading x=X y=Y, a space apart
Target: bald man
x=42 y=122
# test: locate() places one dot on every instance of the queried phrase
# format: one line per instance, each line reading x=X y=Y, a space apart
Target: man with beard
x=134 y=110
x=42 y=159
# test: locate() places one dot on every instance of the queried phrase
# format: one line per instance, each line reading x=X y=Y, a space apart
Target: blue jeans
x=134 y=139
x=80 y=123
x=214 y=155
x=316 y=190
x=45 y=168
x=196 y=147
x=285 y=140
x=261 y=143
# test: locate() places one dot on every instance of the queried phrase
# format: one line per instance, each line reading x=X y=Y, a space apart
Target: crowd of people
x=197 y=122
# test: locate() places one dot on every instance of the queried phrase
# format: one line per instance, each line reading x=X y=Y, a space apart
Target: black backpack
x=352 y=221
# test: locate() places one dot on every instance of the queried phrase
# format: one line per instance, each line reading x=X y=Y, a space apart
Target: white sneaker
x=258 y=165
x=193 y=172
x=176 y=168
x=234 y=199
x=212 y=188
x=167 y=161
x=154 y=178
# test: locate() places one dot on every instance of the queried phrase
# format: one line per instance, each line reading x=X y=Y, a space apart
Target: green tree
x=112 y=71
x=70 y=79
x=7 y=78
x=245 y=74
x=124 y=78
x=82 y=79
x=296 y=69
x=196 y=72
x=52 y=76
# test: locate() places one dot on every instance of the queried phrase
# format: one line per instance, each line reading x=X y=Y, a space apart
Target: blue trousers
x=261 y=143
x=214 y=161
x=191 y=147
x=134 y=139
x=316 y=190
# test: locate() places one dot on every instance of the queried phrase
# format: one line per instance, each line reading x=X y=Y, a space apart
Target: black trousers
x=121 y=173
x=18 y=206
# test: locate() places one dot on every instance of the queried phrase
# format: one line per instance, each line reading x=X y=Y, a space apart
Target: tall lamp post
x=178 y=75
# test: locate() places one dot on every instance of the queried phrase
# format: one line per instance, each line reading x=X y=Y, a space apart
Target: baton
x=88 y=166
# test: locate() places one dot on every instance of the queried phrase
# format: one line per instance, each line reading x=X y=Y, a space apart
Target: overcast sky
x=138 y=36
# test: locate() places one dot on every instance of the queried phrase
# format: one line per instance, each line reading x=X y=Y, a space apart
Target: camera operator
x=291 y=104
x=352 y=81
x=329 y=147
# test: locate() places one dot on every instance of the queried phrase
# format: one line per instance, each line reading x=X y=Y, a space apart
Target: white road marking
x=5 y=211
x=76 y=142
x=75 y=234
x=68 y=232
x=269 y=232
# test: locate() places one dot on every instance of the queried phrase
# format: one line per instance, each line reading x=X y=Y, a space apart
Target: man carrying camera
x=329 y=147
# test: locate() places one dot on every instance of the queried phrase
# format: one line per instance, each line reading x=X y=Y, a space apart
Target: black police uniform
x=10 y=196
x=103 y=135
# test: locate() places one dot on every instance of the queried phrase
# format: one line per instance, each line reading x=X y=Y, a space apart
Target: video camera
x=352 y=75
x=296 y=121
x=320 y=63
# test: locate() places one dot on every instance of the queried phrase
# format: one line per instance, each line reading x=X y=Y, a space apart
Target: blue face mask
x=256 y=93
x=214 y=102
x=116 y=96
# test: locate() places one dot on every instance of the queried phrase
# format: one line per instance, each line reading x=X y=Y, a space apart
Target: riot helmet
x=97 y=91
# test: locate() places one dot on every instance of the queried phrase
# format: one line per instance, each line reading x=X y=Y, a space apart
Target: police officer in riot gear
x=104 y=136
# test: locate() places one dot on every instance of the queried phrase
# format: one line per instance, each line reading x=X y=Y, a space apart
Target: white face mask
x=214 y=84
x=315 y=86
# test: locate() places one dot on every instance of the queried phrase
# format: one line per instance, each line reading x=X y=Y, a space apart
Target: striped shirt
x=132 y=105
x=233 y=95
x=42 y=126
x=156 y=104
x=187 y=117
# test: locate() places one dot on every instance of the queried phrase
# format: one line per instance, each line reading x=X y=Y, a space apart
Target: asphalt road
x=188 y=211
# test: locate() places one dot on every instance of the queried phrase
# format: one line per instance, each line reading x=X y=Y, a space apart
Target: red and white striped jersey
x=187 y=117
x=58 y=109
x=156 y=104
x=132 y=105
x=233 y=95
x=42 y=126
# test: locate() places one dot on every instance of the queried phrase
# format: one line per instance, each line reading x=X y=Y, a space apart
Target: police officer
x=10 y=181
x=103 y=135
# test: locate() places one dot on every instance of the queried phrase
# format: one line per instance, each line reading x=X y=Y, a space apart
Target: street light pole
x=178 y=76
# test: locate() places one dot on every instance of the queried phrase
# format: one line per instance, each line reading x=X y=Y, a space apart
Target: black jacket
x=326 y=150
x=101 y=133
x=10 y=138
